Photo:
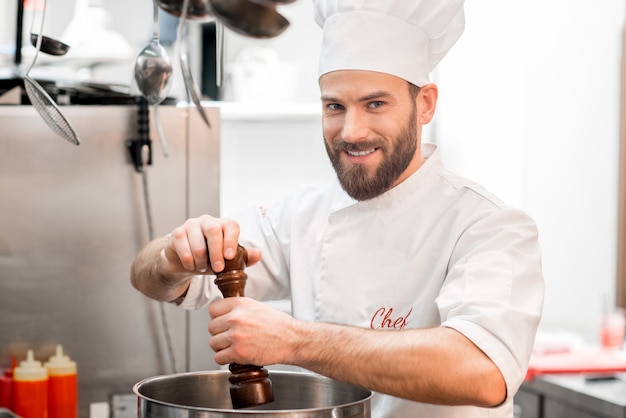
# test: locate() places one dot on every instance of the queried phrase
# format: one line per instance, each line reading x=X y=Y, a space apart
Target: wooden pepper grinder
x=250 y=385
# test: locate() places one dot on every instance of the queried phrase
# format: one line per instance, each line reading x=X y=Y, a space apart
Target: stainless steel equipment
x=206 y=395
x=72 y=221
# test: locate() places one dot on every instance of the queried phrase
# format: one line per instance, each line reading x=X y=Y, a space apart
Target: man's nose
x=354 y=126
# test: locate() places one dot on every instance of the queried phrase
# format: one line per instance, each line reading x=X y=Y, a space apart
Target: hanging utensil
x=219 y=53
x=153 y=71
x=49 y=45
x=273 y=2
x=255 y=18
x=249 y=18
x=19 y=24
x=192 y=89
x=196 y=10
x=153 y=67
x=41 y=100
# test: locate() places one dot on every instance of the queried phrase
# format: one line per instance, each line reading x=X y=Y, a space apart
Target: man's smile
x=361 y=153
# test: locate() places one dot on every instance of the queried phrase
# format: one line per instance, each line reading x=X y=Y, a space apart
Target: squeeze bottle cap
x=30 y=369
x=60 y=364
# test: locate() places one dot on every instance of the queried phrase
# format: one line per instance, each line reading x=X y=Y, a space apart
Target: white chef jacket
x=436 y=250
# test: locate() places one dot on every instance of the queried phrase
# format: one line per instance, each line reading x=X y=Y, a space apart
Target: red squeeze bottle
x=30 y=388
x=62 y=386
x=6 y=387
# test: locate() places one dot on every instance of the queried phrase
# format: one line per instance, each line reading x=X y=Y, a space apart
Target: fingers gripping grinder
x=250 y=385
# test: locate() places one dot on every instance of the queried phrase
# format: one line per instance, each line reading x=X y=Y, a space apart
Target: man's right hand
x=163 y=269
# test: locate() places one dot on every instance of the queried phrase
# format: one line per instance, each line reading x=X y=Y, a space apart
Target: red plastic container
x=30 y=389
x=6 y=387
x=62 y=386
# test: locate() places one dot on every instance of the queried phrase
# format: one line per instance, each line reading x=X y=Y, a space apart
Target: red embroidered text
x=383 y=319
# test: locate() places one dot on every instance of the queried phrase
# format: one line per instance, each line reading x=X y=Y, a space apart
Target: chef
x=404 y=278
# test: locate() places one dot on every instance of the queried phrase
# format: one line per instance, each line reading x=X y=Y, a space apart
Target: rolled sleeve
x=199 y=293
x=494 y=296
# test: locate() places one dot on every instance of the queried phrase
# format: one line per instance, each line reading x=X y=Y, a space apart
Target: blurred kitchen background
x=531 y=105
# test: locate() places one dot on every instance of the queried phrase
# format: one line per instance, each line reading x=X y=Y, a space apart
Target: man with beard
x=403 y=277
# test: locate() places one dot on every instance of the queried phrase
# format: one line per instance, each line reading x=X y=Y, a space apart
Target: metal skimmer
x=41 y=100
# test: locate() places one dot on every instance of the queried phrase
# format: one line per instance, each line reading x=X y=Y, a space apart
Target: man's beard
x=357 y=181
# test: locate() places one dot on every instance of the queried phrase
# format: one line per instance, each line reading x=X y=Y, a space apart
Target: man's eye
x=377 y=103
x=335 y=106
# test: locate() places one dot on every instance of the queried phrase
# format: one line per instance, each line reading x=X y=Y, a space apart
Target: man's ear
x=426 y=103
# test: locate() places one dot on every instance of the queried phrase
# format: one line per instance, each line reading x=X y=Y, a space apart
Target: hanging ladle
x=49 y=45
x=249 y=18
x=153 y=71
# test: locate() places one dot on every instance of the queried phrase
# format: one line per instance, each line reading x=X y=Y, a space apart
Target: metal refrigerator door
x=71 y=221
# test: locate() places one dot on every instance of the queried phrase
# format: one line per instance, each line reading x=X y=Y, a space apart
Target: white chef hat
x=405 y=38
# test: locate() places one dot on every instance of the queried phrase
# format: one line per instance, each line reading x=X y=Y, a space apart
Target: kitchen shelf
x=280 y=111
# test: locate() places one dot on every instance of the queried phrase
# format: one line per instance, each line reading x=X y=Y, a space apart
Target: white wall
x=266 y=154
x=529 y=106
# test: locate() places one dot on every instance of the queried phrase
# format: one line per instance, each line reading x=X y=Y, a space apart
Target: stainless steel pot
x=207 y=395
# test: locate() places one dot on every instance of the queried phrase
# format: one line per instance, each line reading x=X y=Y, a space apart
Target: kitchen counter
x=572 y=396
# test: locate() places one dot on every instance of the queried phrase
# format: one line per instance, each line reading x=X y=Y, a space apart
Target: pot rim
x=137 y=387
